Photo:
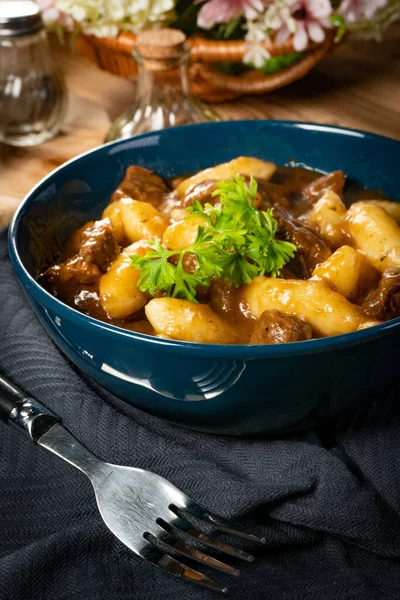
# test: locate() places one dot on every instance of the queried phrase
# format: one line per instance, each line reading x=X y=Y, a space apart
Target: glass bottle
x=32 y=94
x=163 y=92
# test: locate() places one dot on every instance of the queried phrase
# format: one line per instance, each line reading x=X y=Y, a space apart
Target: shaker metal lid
x=19 y=17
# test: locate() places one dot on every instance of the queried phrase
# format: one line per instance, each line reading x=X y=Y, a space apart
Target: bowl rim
x=238 y=351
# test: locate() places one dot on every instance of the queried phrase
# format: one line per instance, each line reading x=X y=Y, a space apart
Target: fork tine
x=220 y=523
x=174 y=567
x=179 y=545
x=188 y=530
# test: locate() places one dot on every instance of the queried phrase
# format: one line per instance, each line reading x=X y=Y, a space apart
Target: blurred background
x=75 y=73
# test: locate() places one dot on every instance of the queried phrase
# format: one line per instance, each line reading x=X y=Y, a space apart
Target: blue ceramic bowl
x=226 y=389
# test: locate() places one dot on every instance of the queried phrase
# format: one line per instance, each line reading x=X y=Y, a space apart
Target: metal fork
x=144 y=511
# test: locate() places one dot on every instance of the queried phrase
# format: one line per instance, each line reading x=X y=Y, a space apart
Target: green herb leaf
x=237 y=244
x=339 y=22
x=277 y=63
x=228 y=31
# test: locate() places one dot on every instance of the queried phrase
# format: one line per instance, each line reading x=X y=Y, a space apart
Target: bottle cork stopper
x=160 y=44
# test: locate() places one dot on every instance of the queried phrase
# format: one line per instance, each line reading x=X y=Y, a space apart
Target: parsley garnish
x=237 y=244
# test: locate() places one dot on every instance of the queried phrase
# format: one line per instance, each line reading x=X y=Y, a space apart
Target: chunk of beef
x=287 y=273
x=272 y=194
x=311 y=249
x=98 y=250
x=74 y=269
x=98 y=245
x=74 y=242
x=141 y=184
x=384 y=302
x=316 y=189
x=202 y=192
x=275 y=327
x=224 y=298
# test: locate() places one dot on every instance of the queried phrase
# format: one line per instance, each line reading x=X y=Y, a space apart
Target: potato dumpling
x=368 y=324
x=113 y=212
x=182 y=234
x=348 y=272
x=327 y=218
x=328 y=312
x=119 y=294
x=189 y=322
x=375 y=233
x=392 y=208
x=141 y=220
x=243 y=165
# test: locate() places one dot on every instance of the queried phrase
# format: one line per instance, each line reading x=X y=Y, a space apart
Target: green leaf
x=271 y=65
x=232 y=68
x=239 y=270
x=237 y=244
x=186 y=284
x=228 y=31
x=277 y=63
x=339 y=22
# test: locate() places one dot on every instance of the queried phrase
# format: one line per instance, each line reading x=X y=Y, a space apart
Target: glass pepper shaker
x=32 y=94
x=163 y=91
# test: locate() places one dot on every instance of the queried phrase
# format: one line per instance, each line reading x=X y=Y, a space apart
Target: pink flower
x=309 y=19
x=52 y=16
x=223 y=11
x=355 y=11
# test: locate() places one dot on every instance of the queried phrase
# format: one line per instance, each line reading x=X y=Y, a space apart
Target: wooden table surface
x=355 y=86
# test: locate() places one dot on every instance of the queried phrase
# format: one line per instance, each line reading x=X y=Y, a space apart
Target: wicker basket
x=208 y=83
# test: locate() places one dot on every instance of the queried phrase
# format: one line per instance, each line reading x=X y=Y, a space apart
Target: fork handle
x=18 y=408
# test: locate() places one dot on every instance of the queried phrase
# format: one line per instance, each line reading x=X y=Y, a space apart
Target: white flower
x=256 y=31
x=105 y=18
x=101 y=30
x=255 y=54
x=116 y=10
x=278 y=14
